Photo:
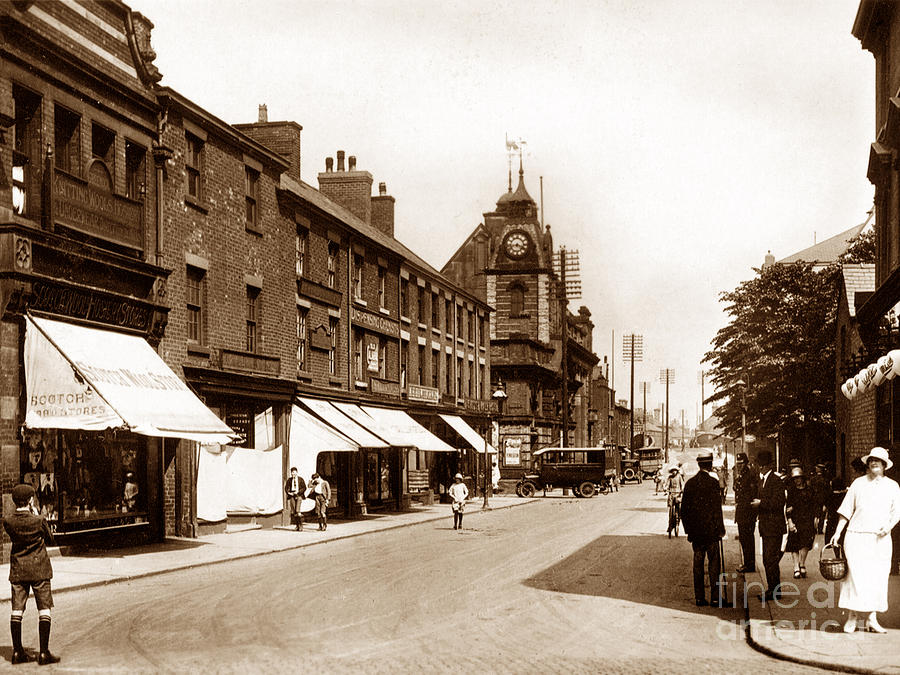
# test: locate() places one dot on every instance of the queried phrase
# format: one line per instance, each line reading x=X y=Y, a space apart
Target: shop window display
x=86 y=479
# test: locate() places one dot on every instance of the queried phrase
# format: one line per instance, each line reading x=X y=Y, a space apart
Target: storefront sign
x=251 y=363
x=512 y=451
x=418 y=392
x=376 y=322
x=478 y=405
x=320 y=338
x=90 y=305
x=92 y=210
x=384 y=387
x=314 y=291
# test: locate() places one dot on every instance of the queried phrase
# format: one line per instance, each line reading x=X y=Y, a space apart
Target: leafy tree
x=861 y=248
x=780 y=344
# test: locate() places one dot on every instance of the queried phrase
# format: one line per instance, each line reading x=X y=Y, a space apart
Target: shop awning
x=93 y=379
x=346 y=426
x=403 y=430
x=472 y=437
x=311 y=436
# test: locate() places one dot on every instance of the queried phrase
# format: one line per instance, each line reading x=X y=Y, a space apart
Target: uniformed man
x=701 y=513
x=746 y=489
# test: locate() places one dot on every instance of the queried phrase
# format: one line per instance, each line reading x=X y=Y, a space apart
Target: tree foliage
x=780 y=344
x=861 y=248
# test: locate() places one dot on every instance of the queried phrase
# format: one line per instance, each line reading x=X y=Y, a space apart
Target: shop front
x=98 y=405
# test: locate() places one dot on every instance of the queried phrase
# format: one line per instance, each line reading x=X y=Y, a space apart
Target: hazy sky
x=678 y=139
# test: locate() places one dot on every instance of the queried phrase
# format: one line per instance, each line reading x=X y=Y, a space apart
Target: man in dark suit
x=29 y=570
x=701 y=514
x=746 y=489
x=294 y=488
x=772 y=523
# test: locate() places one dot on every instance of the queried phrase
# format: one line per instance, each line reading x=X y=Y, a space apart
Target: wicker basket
x=833 y=569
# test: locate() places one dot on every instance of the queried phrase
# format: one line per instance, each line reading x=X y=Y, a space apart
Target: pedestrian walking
x=701 y=513
x=868 y=513
x=321 y=492
x=459 y=493
x=29 y=570
x=673 y=487
x=746 y=489
x=819 y=484
x=800 y=508
x=772 y=524
x=295 y=488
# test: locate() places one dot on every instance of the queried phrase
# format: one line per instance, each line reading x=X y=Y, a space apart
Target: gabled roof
x=858 y=278
x=827 y=251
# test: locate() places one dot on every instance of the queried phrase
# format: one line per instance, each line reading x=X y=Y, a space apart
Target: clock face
x=516 y=244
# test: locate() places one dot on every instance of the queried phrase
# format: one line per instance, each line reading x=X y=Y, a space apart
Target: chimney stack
x=329 y=164
x=351 y=163
x=282 y=138
x=351 y=189
x=263 y=113
x=383 y=211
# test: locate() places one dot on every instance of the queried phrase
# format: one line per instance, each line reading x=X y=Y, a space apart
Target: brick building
x=854 y=418
x=509 y=262
x=83 y=287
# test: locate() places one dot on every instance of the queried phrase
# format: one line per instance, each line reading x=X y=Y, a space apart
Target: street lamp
x=499 y=396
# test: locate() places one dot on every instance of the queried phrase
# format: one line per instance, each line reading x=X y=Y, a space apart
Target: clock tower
x=507 y=261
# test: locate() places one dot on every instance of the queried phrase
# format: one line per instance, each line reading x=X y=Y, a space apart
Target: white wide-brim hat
x=879 y=453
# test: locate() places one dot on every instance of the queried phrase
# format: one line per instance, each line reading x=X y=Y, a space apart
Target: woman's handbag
x=833 y=569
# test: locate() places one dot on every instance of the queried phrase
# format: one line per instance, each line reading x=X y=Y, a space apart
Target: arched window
x=516 y=300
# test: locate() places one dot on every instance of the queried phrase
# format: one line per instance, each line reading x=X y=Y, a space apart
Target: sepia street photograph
x=394 y=336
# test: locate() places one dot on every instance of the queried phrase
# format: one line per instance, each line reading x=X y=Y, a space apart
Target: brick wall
x=280 y=137
x=350 y=189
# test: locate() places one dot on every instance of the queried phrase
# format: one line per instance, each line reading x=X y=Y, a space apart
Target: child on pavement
x=29 y=569
x=459 y=493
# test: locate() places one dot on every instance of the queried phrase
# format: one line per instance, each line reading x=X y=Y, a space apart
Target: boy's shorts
x=42 y=595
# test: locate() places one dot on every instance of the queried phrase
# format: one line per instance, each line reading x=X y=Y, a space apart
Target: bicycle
x=674 y=514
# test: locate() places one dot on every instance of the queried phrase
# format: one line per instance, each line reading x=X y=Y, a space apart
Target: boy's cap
x=21 y=494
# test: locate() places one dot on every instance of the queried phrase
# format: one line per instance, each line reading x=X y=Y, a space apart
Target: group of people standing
x=297 y=490
x=800 y=507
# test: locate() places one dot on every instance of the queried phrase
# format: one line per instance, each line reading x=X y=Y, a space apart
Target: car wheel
x=527 y=490
x=629 y=474
x=586 y=489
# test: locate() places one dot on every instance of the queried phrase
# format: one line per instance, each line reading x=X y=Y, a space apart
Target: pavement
x=805 y=626
x=77 y=569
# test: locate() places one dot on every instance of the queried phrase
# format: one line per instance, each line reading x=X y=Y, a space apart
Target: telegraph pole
x=645 y=389
x=567 y=267
x=632 y=350
x=667 y=377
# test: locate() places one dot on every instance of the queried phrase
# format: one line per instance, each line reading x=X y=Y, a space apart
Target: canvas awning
x=403 y=430
x=311 y=436
x=472 y=437
x=92 y=379
x=345 y=425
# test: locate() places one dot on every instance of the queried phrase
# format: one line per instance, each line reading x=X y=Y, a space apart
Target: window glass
x=300 y=245
x=252 y=317
x=193 y=157
x=251 y=196
x=195 y=292
x=302 y=337
x=135 y=170
x=332 y=353
x=67 y=140
x=332 y=264
x=516 y=300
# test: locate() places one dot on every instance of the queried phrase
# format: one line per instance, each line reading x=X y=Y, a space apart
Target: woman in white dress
x=868 y=513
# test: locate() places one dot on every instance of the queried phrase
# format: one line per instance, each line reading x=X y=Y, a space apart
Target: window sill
x=449 y=336
x=385 y=311
x=471 y=345
x=360 y=302
x=361 y=385
x=253 y=229
x=304 y=375
x=436 y=331
x=198 y=350
x=460 y=341
x=195 y=203
x=422 y=326
x=405 y=319
x=335 y=381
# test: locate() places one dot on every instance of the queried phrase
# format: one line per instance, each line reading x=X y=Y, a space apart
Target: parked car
x=584 y=470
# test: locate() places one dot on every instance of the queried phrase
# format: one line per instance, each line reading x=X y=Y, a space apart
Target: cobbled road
x=556 y=586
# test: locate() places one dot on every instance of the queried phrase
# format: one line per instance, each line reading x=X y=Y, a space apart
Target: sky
x=678 y=140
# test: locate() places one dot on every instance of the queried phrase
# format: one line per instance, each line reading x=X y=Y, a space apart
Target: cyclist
x=673 y=486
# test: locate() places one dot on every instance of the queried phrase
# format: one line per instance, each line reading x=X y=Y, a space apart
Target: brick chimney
x=282 y=138
x=351 y=189
x=383 y=211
